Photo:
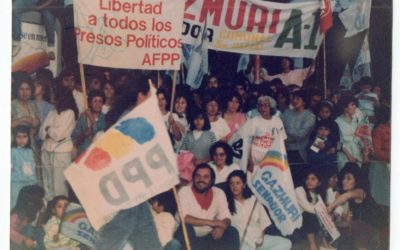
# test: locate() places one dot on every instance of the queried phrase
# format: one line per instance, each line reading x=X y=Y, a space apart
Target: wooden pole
x=248 y=223
x=324 y=66
x=185 y=235
x=182 y=74
x=83 y=82
x=158 y=79
x=173 y=91
x=257 y=69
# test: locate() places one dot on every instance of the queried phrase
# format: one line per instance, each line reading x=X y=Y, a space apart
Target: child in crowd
x=27 y=207
x=163 y=208
x=23 y=166
x=90 y=122
x=367 y=100
x=200 y=138
x=53 y=239
x=307 y=196
x=322 y=151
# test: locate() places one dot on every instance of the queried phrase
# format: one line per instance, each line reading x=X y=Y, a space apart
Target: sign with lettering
x=255 y=27
x=133 y=34
x=272 y=184
x=130 y=163
x=76 y=225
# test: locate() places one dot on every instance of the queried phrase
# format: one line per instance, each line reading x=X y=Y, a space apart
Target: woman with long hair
x=241 y=203
x=57 y=145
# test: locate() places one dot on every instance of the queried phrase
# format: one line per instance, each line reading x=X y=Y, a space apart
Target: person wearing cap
x=299 y=123
x=264 y=130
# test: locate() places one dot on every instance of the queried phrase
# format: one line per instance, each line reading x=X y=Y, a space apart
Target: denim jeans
x=134 y=225
x=229 y=240
x=48 y=19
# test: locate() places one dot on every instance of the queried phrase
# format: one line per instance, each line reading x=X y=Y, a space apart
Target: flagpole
x=248 y=223
x=257 y=69
x=83 y=82
x=173 y=91
x=185 y=235
x=182 y=73
x=158 y=79
x=324 y=67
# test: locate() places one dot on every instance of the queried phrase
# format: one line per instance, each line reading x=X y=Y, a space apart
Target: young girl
x=53 y=239
x=23 y=166
x=200 y=138
x=322 y=152
x=241 y=203
x=307 y=196
x=177 y=121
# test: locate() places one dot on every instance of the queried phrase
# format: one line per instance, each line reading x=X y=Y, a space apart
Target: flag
x=241 y=143
x=361 y=68
x=356 y=17
x=243 y=62
x=326 y=19
x=130 y=163
x=198 y=62
x=272 y=184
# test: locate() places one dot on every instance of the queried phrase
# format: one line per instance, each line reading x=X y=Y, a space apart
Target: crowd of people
x=338 y=149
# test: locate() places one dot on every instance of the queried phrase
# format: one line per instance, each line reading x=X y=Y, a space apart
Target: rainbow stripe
x=74 y=215
x=275 y=159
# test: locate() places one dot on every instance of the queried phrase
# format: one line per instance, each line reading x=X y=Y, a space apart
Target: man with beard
x=206 y=214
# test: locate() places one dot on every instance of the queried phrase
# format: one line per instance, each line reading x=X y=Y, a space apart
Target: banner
x=272 y=184
x=33 y=54
x=240 y=143
x=75 y=225
x=133 y=34
x=255 y=27
x=130 y=163
x=326 y=221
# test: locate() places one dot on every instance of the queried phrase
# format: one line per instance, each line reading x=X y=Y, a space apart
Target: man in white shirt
x=68 y=80
x=205 y=211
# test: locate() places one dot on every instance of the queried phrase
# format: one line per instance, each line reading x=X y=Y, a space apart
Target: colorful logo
x=118 y=142
x=275 y=159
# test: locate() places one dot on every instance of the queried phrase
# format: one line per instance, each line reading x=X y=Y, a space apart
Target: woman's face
x=212 y=108
x=312 y=182
x=162 y=102
x=349 y=182
x=298 y=102
x=332 y=181
x=97 y=104
x=199 y=122
x=233 y=105
x=180 y=105
x=264 y=108
x=219 y=157
x=24 y=92
x=351 y=108
x=109 y=91
x=236 y=186
x=39 y=90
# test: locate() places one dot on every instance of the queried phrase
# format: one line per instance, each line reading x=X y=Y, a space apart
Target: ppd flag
x=273 y=186
x=76 y=225
x=126 y=166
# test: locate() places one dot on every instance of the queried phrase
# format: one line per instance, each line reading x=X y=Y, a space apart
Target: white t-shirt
x=264 y=132
x=259 y=220
x=220 y=128
x=78 y=96
x=218 y=209
x=165 y=225
x=221 y=175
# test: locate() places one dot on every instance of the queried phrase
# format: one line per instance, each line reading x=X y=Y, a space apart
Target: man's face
x=69 y=82
x=212 y=83
x=202 y=180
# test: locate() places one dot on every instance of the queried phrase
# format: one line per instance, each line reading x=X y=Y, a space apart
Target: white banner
x=130 y=163
x=132 y=34
x=326 y=220
x=272 y=184
x=255 y=26
x=76 y=225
